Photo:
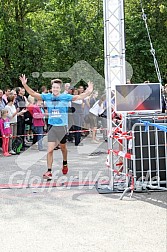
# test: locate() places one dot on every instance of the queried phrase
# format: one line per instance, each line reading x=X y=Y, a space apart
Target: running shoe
x=47 y=175
x=65 y=169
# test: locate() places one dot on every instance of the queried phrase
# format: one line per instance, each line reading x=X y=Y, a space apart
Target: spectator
x=28 y=116
x=5 y=132
x=93 y=98
x=6 y=94
x=27 y=120
x=86 y=107
x=94 y=112
x=2 y=106
x=38 y=122
x=70 y=136
x=23 y=94
x=44 y=90
x=81 y=89
x=163 y=103
x=21 y=102
x=165 y=93
x=66 y=87
x=12 y=115
x=77 y=117
x=104 y=122
x=13 y=92
x=2 y=102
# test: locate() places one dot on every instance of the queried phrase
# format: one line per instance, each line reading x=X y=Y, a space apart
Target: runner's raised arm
x=28 y=89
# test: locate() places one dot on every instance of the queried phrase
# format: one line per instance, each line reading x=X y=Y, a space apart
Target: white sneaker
x=12 y=152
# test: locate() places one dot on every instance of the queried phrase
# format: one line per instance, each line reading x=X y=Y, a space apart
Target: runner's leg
x=51 y=146
x=64 y=151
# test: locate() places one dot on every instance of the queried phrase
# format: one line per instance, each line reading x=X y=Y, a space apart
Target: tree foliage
x=52 y=35
x=137 y=43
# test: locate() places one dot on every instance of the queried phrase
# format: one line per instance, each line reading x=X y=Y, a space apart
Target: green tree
x=137 y=43
x=52 y=35
x=49 y=36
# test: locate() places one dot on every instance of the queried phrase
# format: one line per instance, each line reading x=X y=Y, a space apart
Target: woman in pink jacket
x=38 y=122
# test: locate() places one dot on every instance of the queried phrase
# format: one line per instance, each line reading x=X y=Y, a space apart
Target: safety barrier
x=149 y=146
x=144 y=163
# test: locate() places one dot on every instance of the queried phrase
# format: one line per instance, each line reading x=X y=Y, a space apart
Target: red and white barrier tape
x=71 y=131
x=124 y=154
x=119 y=136
x=132 y=186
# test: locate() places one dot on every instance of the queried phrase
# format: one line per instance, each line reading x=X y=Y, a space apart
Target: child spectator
x=5 y=132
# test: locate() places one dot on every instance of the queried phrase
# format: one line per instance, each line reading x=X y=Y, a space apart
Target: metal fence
x=150 y=150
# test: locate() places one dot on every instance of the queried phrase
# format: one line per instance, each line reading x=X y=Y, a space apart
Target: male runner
x=57 y=105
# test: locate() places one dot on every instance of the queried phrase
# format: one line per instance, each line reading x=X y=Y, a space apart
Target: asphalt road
x=75 y=218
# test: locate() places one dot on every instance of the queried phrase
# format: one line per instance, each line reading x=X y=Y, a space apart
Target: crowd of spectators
x=27 y=117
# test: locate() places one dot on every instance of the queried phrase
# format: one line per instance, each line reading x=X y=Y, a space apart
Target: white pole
x=115 y=71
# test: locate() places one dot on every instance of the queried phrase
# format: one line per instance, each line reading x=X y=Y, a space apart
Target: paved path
x=76 y=219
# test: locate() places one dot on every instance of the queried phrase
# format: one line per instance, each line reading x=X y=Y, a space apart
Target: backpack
x=17 y=145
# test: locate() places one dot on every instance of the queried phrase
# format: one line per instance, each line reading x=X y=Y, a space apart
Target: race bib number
x=55 y=113
x=6 y=125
